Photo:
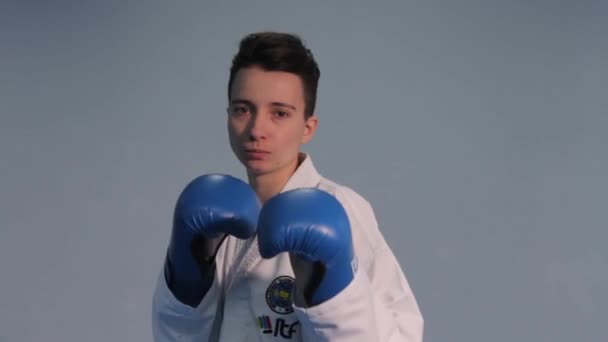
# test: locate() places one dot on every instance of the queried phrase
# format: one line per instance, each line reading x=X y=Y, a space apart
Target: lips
x=255 y=150
x=256 y=154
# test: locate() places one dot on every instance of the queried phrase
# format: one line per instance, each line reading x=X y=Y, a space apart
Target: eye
x=239 y=110
x=282 y=113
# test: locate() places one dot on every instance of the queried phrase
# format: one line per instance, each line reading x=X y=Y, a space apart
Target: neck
x=270 y=184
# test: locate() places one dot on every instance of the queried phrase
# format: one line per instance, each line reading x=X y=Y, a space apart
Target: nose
x=257 y=127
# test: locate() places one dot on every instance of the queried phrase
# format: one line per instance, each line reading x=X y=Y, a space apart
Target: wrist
x=308 y=277
x=189 y=286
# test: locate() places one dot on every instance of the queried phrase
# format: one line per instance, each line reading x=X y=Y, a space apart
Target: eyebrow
x=249 y=103
x=245 y=102
x=282 y=104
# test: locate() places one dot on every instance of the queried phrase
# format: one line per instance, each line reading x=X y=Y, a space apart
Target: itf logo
x=280 y=328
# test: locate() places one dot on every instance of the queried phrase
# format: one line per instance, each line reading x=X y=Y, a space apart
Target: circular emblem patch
x=278 y=295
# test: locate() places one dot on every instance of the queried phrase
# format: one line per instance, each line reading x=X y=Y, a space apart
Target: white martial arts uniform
x=250 y=299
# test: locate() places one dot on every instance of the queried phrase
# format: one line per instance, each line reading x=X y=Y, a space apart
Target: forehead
x=261 y=86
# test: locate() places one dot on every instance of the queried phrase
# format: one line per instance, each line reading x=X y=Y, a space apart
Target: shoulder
x=367 y=236
x=352 y=200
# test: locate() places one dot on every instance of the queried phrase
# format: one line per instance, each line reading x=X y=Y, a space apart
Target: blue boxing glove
x=210 y=207
x=314 y=228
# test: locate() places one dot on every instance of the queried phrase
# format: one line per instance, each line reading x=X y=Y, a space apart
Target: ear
x=310 y=127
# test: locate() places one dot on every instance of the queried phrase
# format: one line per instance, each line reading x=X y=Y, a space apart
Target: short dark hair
x=276 y=51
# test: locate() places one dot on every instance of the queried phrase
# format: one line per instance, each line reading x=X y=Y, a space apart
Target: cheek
x=234 y=140
x=233 y=135
x=292 y=138
x=234 y=129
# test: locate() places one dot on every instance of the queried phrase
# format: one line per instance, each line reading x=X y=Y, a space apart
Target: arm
x=394 y=301
x=375 y=303
x=187 y=303
x=346 y=289
x=174 y=321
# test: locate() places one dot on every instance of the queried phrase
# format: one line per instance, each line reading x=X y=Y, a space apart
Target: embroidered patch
x=278 y=295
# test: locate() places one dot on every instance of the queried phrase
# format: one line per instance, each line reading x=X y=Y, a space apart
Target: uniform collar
x=306 y=175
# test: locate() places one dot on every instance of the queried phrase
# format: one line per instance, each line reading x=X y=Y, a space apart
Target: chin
x=256 y=167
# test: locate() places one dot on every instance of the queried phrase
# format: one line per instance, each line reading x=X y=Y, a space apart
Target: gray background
x=477 y=129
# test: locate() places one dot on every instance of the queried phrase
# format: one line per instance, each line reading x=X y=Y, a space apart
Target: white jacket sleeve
x=398 y=315
x=175 y=321
x=378 y=305
x=382 y=309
